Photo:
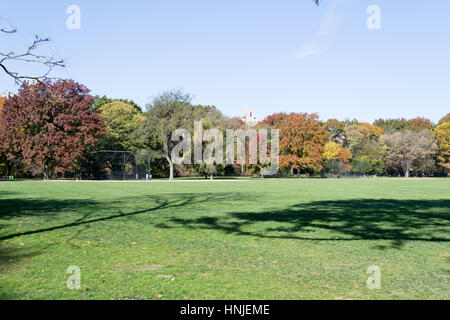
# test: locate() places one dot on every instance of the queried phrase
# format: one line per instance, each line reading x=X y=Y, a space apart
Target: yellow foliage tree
x=331 y=151
x=442 y=134
x=335 y=155
x=2 y=101
x=445 y=119
x=2 y=165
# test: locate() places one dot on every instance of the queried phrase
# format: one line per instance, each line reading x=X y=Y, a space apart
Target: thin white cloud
x=328 y=27
x=331 y=21
x=309 y=50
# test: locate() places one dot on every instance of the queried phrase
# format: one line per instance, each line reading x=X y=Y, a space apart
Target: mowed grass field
x=259 y=239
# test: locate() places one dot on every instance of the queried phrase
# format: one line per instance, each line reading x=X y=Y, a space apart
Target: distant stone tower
x=249 y=117
x=249 y=113
x=6 y=94
x=32 y=82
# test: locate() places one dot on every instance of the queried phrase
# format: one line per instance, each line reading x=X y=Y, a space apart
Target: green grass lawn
x=260 y=239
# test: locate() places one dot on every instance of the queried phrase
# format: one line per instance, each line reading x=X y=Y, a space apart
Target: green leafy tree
x=392 y=125
x=168 y=112
x=337 y=130
x=363 y=140
x=211 y=118
x=121 y=121
x=101 y=101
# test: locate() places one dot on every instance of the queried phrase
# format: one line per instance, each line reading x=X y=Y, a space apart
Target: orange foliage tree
x=302 y=141
x=420 y=124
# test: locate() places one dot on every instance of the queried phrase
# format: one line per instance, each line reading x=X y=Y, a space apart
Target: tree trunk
x=170 y=168
x=406 y=171
x=211 y=177
x=45 y=172
x=407 y=166
x=167 y=154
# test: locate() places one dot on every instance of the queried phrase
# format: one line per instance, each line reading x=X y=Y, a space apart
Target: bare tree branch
x=8 y=31
x=29 y=56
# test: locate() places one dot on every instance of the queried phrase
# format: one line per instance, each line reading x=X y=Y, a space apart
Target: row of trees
x=342 y=147
x=53 y=129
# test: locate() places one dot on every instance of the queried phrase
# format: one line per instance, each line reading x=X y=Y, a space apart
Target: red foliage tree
x=274 y=120
x=49 y=126
x=235 y=123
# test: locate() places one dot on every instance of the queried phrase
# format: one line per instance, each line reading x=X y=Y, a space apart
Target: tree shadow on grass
x=41 y=207
x=8 y=256
x=397 y=221
x=49 y=207
x=90 y=212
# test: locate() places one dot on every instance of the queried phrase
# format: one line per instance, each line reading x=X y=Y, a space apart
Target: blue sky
x=286 y=55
